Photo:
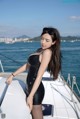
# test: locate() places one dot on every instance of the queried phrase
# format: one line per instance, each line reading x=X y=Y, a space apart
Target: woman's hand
x=30 y=102
x=9 y=79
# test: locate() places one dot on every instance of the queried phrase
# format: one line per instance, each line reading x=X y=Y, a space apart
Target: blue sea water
x=15 y=55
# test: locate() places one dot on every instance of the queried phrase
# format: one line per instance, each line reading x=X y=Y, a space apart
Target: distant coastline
x=25 y=38
x=63 y=38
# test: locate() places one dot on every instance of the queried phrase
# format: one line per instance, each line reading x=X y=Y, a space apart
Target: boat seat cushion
x=47 y=109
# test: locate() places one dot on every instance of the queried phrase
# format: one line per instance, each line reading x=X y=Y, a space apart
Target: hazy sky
x=19 y=17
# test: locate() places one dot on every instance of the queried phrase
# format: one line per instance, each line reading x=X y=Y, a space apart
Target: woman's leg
x=37 y=112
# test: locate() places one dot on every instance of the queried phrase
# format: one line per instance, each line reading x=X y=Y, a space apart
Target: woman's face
x=46 y=41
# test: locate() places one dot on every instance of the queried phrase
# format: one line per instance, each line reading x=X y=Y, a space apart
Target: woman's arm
x=21 y=69
x=18 y=71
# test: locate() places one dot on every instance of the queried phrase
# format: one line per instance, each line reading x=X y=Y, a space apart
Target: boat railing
x=73 y=84
x=1 y=66
x=9 y=63
x=69 y=80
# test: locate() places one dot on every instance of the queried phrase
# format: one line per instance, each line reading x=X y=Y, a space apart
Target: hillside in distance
x=67 y=38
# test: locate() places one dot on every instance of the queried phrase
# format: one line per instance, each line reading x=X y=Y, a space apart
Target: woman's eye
x=47 y=40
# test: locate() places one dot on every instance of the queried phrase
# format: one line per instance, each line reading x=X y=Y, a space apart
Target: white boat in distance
x=59 y=101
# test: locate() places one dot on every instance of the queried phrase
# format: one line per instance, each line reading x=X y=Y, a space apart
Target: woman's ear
x=53 y=42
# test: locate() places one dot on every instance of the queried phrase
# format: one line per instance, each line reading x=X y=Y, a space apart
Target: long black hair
x=55 y=63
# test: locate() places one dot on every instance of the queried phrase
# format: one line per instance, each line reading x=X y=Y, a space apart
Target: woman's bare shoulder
x=47 y=52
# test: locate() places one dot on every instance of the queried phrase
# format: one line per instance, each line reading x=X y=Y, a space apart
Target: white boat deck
x=58 y=94
x=60 y=97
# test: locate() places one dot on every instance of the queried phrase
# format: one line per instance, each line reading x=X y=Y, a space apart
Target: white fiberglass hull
x=14 y=102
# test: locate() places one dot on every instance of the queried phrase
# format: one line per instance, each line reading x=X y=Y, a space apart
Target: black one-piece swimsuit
x=32 y=74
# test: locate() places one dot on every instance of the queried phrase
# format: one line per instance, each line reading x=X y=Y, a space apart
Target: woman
x=48 y=57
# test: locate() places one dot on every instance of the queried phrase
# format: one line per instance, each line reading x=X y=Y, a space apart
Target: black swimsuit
x=32 y=74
